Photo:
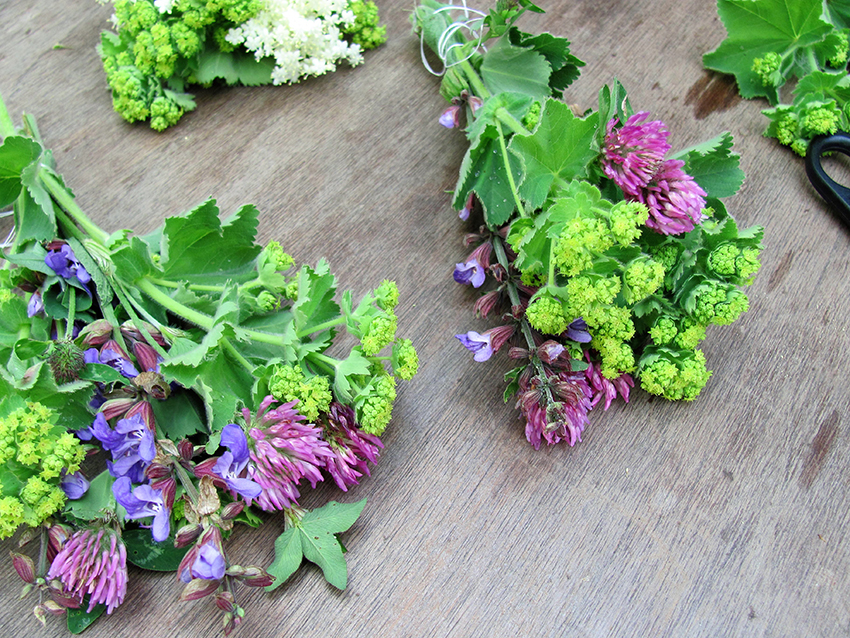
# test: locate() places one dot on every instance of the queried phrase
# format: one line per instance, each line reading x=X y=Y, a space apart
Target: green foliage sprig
x=770 y=43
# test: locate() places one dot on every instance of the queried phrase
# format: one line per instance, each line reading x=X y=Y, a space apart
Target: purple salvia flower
x=577 y=331
x=634 y=152
x=111 y=354
x=209 y=564
x=93 y=562
x=75 y=485
x=35 y=305
x=351 y=447
x=464 y=212
x=232 y=467
x=478 y=344
x=450 y=118
x=283 y=451
x=675 y=201
x=131 y=444
x=142 y=502
x=65 y=264
x=470 y=272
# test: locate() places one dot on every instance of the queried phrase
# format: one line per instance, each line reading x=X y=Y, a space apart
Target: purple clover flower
x=142 y=502
x=351 y=447
x=634 y=152
x=470 y=272
x=232 y=467
x=65 y=264
x=479 y=344
x=675 y=201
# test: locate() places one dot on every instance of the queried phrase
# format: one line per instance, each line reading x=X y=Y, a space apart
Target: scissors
x=829 y=189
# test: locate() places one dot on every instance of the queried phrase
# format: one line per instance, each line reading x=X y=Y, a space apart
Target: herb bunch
x=604 y=258
x=769 y=43
x=162 y=47
x=194 y=364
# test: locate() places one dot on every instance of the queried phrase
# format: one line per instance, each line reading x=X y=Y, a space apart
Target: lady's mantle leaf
x=559 y=151
x=16 y=153
x=314 y=538
x=509 y=68
x=757 y=27
x=95 y=501
x=714 y=166
x=198 y=248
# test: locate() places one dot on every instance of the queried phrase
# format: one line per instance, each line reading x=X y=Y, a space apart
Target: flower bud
x=550 y=352
x=116 y=407
x=187 y=534
x=144 y=409
x=518 y=353
x=28 y=536
x=232 y=510
x=186 y=450
x=56 y=537
x=224 y=600
x=167 y=446
x=129 y=329
x=254 y=576
x=96 y=333
x=198 y=588
x=66 y=359
x=24 y=566
x=156 y=471
x=146 y=356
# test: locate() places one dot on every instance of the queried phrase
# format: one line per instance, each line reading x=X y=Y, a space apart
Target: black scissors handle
x=833 y=192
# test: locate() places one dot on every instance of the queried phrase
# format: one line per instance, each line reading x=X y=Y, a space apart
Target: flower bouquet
x=603 y=256
x=768 y=43
x=158 y=390
x=161 y=47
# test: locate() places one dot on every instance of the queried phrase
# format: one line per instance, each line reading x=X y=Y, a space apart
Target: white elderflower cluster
x=303 y=37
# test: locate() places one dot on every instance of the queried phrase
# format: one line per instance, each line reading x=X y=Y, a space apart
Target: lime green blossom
x=672 y=374
x=729 y=260
x=374 y=405
x=718 y=303
x=532 y=117
x=33 y=453
x=546 y=314
x=274 y=254
x=822 y=120
x=800 y=146
x=838 y=56
x=642 y=277
x=164 y=113
x=767 y=68
x=580 y=241
x=405 y=359
x=664 y=330
x=379 y=333
x=627 y=220
x=690 y=334
x=288 y=383
x=268 y=301
x=387 y=295
x=365 y=30
x=617 y=357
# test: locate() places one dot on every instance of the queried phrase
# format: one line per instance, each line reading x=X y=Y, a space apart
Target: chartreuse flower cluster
x=769 y=43
x=194 y=363
x=160 y=48
x=607 y=258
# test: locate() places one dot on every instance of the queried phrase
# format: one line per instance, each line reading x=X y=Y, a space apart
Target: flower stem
x=7 y=126
x=66 y=201
x=506 y=160
x=332 y=323
x=229 y=347
x=474 y=80
x=189 y=314
x=187 y=483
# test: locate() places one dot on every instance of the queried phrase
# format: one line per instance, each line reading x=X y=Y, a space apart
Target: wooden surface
x=722 y=517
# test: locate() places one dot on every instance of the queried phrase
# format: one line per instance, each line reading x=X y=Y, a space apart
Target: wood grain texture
x=723 y=517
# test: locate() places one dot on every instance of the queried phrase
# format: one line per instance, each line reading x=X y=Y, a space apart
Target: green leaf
x=214 y=64
x=16 y=153
x=483 y=171
x=98 y=498
x=197 y=247
x=355 y=364
x=79 y=619
x=560 y=150
x=314 y=538
x=143 y=551
x=180 y=416
x=516 y=104
x=509 y=68
x=132 y=260
x=287 y=557
x=250 y=70
x=714 y=166
x=757 y=27
x=70 y=400
x=314 y=305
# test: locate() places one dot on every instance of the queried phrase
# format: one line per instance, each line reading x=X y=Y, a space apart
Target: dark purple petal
x=470 y=272
x=161 y=525
x=74 y=485
x=577 y=331
x=478 y=344
x=234 y=439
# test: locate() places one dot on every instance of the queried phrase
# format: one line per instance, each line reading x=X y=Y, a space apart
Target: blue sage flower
x=143 y=502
